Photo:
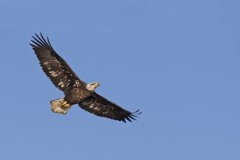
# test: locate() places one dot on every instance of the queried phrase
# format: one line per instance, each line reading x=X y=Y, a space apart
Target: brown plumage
x=76 y=91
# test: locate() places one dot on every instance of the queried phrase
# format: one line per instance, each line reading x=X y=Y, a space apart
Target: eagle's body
x=76 y=93
x=75 y=90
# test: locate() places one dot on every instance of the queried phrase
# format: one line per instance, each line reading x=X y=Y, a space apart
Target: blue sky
x=177 y=61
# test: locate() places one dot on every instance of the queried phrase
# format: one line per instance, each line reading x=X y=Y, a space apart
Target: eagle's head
x=92 y=86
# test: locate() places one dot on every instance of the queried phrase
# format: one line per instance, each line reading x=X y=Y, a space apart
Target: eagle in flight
x=75 y=90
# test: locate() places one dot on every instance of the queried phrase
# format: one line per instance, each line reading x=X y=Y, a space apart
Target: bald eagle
x=75 y=90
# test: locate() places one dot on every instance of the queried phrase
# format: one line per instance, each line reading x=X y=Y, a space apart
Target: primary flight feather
x=75 y=90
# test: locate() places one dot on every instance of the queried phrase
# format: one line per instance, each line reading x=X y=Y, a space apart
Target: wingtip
x=36 y=35
x=132 y=116
x=31 y=45
x=39 y=40
x=137 y=112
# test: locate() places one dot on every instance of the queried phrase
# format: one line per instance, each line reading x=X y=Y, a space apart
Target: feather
x=59 y=72
x=102 y=107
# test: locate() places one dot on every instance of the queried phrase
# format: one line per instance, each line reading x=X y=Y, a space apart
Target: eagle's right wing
x=102 y=107
x=61 y=75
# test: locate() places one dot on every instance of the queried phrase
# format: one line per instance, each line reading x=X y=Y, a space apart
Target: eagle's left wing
x=55 y=67
x=102 y=107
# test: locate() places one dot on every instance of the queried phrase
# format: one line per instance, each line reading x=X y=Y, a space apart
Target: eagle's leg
x=60 y=106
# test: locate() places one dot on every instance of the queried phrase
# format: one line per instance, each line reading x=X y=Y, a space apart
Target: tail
x=59 y=106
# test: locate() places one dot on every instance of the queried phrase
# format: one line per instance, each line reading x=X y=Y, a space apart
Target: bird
x=75 y=90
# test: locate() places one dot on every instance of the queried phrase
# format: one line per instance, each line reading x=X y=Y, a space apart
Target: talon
x=64 y=103
x=60 y=106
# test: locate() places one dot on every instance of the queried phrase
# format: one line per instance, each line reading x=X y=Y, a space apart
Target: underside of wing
x=59 y=72
x=100 y=106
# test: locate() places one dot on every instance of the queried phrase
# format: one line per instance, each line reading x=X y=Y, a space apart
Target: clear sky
x=176 y=60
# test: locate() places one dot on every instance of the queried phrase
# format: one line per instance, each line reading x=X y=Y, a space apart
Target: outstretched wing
x=61 y=75
x=100 y=106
